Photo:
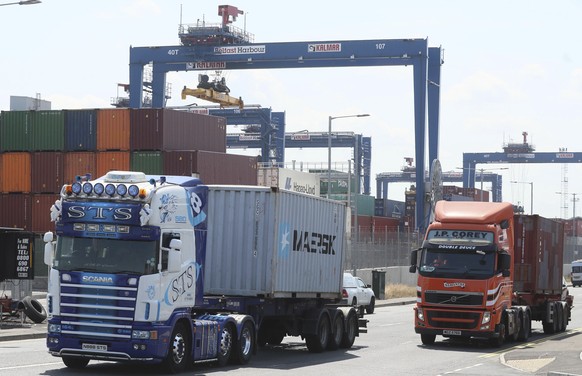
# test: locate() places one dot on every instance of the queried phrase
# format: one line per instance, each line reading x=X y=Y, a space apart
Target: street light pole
x=531 y=192
x=329 y=147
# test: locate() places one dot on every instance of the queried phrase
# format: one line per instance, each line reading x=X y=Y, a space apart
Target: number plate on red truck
x=451 y=332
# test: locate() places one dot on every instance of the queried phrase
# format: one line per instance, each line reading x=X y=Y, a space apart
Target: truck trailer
x=165 y=269
x=485 y=272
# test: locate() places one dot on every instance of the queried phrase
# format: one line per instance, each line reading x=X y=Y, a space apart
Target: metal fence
x=381 y=249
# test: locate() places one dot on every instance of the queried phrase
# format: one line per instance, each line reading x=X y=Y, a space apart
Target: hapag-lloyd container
x=538 y=254
x=273 y=243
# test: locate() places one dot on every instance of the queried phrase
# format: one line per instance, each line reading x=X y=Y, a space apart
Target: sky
x=509 y=67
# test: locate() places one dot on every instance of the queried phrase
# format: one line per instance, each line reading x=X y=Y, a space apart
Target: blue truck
x=165 y=269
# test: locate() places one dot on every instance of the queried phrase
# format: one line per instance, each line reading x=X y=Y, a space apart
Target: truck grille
x=99 y=311
x=453 y=320
x=454 y=298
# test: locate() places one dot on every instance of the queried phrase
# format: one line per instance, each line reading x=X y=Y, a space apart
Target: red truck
x=484 y=272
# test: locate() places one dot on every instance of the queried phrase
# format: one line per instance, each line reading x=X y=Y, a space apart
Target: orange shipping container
x=112 y=160
x=113 y=129
x=41 y=206
x=16 y=174
x=79 y=164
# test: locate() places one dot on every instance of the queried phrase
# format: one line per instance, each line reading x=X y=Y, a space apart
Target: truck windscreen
x=106 y=255
x=456 y=263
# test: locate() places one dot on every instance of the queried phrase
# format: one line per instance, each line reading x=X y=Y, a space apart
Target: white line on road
x=458 y=370
x=29 y=366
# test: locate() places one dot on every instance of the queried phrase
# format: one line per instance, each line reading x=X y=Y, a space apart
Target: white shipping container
x=273 y=243
x=291 y=180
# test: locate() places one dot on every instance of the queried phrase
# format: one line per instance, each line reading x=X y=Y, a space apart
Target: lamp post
x=531 y=192
x=24 y=2
x=329 y=146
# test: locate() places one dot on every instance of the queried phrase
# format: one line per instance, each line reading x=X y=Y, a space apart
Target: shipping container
x=41 y=206
x=80 y=130
x=15 y=130
x=388 y=208
x=222 y=168
x=165 y=129
x=79 y=164
x=113 y=128
x=15 y=173
x=112 y=160
x=266 y=243
x=211 y=167
x=48 y=171
x=48 y=130
x=539 y=252
x=15 y=210
x=148 y=162
x=292 y=180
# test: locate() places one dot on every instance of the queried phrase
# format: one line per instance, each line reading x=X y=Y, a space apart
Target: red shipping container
x=165 y=129
x=41 y=218
x=15 y=211
x=47 y=171
x=538 y=254
x=112 y=160
x=15 y=174
x=113 y=128
x=79 y=164
x=211 y=167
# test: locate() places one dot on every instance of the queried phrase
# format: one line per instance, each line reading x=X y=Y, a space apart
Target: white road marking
x=30 y=366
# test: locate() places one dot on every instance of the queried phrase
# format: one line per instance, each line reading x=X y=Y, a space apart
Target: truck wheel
x=74 y=362
x=33 y=309
x=497 y=342
x=337 y=332
x=351 y=329
x=244 y=345
x=566 y=317
x=559 y=317
x=524 y=328
x=178 y=350
x=225 y=345
x=370 y=308
x=317 y=342
x=427 y=339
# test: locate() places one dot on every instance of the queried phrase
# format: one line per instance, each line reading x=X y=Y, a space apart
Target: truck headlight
x=144 y=334
x=486 y=318
x=420 y=314
x=54 y=328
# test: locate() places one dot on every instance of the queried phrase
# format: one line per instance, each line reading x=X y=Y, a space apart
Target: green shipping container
x=15 y=130
x=48 y=130
x=365 y=204
x=148 y=162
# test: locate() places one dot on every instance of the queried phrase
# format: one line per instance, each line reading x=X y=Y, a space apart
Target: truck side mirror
x=174 y=256
x=413 y=261
x=504 y=263
x=48 y=248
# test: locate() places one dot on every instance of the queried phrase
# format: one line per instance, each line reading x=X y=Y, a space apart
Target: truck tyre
x=350 y=331
x=427 y=339
x=244 y=345
x=497 y=342
x=566 y=317
x=559 y=317
x=33 y=309
x=524 y=327
x=337 y=331
x=317 y=342
x=225 y=344
x=370 y=307
x=75 y=362
x=178 y=350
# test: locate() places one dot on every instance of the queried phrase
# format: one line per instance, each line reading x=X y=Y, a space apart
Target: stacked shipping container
x=42 y=150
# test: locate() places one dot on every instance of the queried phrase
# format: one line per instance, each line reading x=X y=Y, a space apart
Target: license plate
x=452 y=332
x=94 y=347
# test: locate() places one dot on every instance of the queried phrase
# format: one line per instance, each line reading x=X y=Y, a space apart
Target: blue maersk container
x=80 y=130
